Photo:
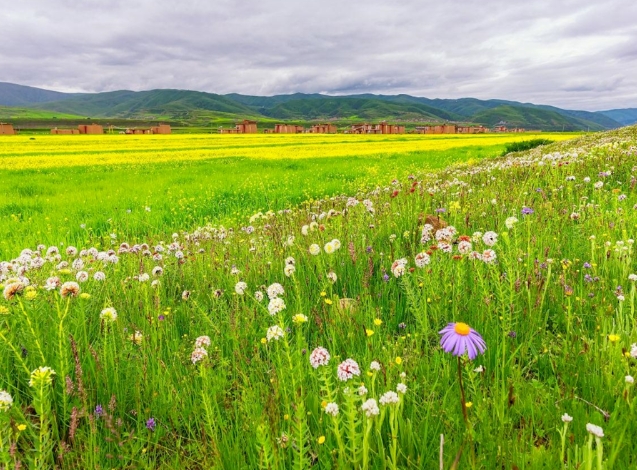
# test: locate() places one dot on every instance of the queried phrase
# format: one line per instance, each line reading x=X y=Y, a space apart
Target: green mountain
x=199 y=108
x=154 y=104
x=625 y=117
x=20 y=95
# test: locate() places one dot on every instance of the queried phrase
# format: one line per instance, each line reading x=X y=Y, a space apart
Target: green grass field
x=275 y=304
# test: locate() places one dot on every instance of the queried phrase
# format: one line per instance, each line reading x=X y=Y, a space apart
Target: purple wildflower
x=161 y=318
x=386 y=277
x=458 y=338
x=369 y=249
x=402 y=326
x=587 y=265
x=440 y=210
x=527 y=211
x=99 y=411
x=150 y=424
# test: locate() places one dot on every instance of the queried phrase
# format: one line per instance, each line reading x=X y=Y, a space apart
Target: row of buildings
x=250 y=127
x=96 y=129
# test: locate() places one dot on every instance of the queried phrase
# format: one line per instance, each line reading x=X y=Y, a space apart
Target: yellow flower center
x=462 y=329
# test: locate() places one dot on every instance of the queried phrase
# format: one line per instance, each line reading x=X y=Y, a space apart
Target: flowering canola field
x=24 y=152
x=477 y=316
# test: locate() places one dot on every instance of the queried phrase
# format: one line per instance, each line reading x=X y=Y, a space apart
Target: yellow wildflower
x=378 y=322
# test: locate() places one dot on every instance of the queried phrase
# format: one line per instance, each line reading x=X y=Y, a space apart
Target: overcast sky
x=574 y=54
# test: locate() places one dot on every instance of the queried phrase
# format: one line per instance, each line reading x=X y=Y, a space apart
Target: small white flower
x=370 y=407
x=510 y=222
x=567 y=418
x=375 y=366
x=319 y=357
x=331 y=409
x=331 y=276
x=240 y=287
x=595 y=430
x=198 y=354
x=490 y=238
x=108 y=315
x=258 y=295
x=632 y=277
x=275 y=290
x=629 y=379
x=6 y=401
x=202 y=341
x=315 y=249
x=362 y=390
x=274 y=333
x=389 y=398
x=276 y=305
x=401 y=388
x=348 y=369
x=289 y=270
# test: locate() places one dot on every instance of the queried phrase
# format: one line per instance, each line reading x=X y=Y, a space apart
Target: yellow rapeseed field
x=36 y=152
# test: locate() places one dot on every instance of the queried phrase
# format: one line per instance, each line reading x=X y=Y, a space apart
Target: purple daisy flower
x=527 y=211
x=150 y=424
x=458 y=338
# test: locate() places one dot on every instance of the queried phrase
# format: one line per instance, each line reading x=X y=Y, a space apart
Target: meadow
x=402 y=303
x=75 y=189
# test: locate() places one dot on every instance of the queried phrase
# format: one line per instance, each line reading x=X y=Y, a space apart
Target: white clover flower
x=567 y=418
x=329 y=248
x=108 y=315
x=488 y=256
x=6 y=401
x=422 y=259
x=77 y=264
x=362 y=390
x=586 y=179
x=629 y=379
x=274 y=333
x=445 y=247
x=289 y=270
x=398 y=267
x=595 y=430
x=275 y=290
x=476 y=237
x=99 y=276
x=304 y=230
x=290 y=260
x=633 y=350
x=202 y=342
x=290 y=240
x=157 y=271
x=598 y=185
x=632 y=277
x=52 y=283
x=276 y=305
x=258 y=295
x=82 y=276
x=490 y=238
x=315 y=249
x=331 y=409
x=319 y=357
x=621 y=298
x=401 y=388
x=144 y=277
x=375 y=366
x=348 y=369
x=370 y=407
x=198 y=354
x=332 y=277
x=510 y=222
x=336 y=243
x=479 y=369
x=240 y=287
x=389 y=398
x=70 y=289
x=464 y=247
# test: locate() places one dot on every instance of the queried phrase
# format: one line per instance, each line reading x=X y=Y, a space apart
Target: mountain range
x=198 y=108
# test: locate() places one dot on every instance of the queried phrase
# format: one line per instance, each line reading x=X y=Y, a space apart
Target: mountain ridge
x=195 y=106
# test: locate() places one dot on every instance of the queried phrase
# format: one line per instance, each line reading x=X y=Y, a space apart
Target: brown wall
x=65 y=131
x=90 y=129
x=6 y=129
x=161 y=129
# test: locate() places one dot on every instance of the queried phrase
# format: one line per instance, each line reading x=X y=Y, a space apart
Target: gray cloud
x=574 y=54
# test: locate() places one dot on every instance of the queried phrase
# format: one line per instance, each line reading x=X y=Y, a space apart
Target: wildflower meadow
x=473 y=314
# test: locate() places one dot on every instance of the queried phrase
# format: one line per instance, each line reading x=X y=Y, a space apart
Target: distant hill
x=199 y=108
x=625 y=117
x=20 y=95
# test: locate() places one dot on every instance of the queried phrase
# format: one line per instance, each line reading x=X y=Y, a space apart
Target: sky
x=571 y=54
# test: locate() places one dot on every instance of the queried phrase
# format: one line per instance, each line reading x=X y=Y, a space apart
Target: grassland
x=180 y=344
x=59 y=188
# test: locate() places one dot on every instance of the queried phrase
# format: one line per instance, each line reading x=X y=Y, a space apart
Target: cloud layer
x=572 y=54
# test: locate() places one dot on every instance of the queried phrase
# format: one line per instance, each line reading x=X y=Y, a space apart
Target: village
x=251 y=127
